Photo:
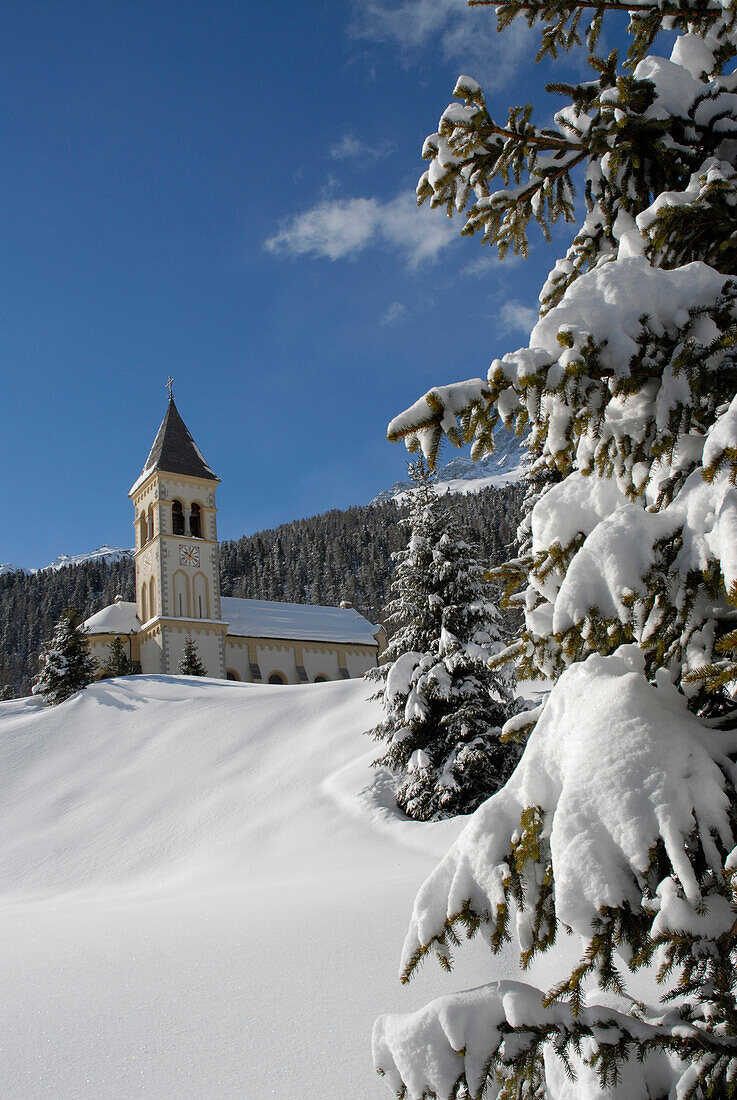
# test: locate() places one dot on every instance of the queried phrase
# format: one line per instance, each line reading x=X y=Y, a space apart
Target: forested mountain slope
x=324 y=559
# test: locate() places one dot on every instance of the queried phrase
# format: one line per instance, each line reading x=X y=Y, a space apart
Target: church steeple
x=175 y=451
x=177 y=552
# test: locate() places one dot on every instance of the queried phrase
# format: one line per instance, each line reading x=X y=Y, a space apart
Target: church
x=177 y=563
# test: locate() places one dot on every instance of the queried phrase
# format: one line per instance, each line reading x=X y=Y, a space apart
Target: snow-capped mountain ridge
x=462 y=475
x=8 y=567
x=102 y=553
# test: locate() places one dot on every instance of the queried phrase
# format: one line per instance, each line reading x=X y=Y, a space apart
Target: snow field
x=201 y=894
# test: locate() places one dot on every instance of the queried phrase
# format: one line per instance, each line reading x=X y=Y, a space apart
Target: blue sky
x=222 y=191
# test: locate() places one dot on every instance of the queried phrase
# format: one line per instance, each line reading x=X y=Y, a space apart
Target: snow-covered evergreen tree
x=66 y=663
x=619 y=823
x=443 y=706
x=191 y=663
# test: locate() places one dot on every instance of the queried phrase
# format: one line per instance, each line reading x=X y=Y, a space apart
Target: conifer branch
x=713 y=11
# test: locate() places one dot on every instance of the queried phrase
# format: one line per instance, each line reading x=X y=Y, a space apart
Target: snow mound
x=153 y=782
x=186 y=865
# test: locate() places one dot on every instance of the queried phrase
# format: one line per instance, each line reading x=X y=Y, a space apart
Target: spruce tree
x=443 y=706
x=66 y=663
x=118 y=662
x=190 y=664
x=619 y=823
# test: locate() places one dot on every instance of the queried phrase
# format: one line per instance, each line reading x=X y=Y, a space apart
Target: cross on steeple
x=170 y=383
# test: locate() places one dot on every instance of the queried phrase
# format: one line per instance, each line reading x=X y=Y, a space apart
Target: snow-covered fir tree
x=118 y=662
x=443 y=706
x=191 y=663
x=619 y=823
x=66 y=663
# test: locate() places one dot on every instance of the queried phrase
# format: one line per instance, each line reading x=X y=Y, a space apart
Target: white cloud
x=341 y=228
x=393 y=313
x=467 y=36
x=488 y=261
x=518 y=318
x=350 y=148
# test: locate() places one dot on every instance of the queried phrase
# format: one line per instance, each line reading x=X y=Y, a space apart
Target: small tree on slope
x=66 y=664
x=619 y=823
x=443 y=706
x=118 y=662
x=191 y=664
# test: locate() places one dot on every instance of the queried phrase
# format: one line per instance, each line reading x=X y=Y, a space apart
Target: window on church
x=195 y=526
x=321 y=679
x=143 y=529
x=150 y=522
x=177 y=517
x=277 y=678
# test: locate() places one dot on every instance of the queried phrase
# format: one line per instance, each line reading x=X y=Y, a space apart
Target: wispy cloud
x=351 y=149
x=488 y=262
x=517 y=317
x=393 y=313
x=339 y=229
x=466 y=36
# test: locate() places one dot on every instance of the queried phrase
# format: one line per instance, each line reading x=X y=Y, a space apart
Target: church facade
x=177 y=569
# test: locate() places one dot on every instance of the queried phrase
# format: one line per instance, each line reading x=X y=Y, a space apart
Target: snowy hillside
x=463 y=475
x=196 y=898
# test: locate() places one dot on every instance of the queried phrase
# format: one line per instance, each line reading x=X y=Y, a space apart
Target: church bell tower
x=177 y=555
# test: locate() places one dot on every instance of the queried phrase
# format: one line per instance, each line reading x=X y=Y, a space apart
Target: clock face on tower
x=189 y=555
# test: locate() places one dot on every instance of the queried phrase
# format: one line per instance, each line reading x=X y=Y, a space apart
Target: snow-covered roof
x=117 y=618
x=303 y=622
x=259 y=619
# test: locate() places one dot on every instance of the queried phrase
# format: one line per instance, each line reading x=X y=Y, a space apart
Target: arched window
x=181 y=594
x=195 y=525
x=177 y=517
x=152 y=597
x=144 y=602
x=143 y=529
x=231 y=674
x=150 y=521
x=277 y=678
x=321 y=679
x=201 y=608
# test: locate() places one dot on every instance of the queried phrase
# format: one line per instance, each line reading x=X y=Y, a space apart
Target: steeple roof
x=175 y=451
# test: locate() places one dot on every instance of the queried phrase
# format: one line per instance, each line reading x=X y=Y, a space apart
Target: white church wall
x=358 y=661
x=321 y=661
x=208 y=647
x=152 y=659
x=237 y=658
x=277 y=658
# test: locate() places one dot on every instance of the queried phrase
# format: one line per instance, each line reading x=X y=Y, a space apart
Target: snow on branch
x=615 y=771
x=482 y=1036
